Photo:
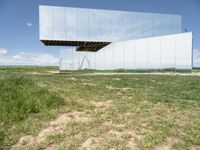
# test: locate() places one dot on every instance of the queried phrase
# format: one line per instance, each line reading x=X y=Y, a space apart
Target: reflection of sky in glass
x=46 y=22
x=171 y=51
x=80 y=24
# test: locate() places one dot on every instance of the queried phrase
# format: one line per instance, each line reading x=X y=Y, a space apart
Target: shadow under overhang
x=92 y=46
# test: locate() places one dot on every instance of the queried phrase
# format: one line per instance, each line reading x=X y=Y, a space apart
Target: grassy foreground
x=74 y=111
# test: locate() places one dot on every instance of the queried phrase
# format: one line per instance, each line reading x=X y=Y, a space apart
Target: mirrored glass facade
x=81 y=24
x=109 y=39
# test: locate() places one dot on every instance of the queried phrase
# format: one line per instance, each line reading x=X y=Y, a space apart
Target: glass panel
x=59 y=23
x=83 y=24
x=137 y=23
x=46 y=23
x=100 y=60
x=184 y=51
x=167 y=24
x=176 y=24
x=94 y=25
x=66 y=58
x=154 y=55
x=106 y=26
x=127 y=23
x=109 y=55
x=118 y=55
x=116 y=26
x=157 y=25
x=91 y=60
x=76 y=59
x=84 y=62
x=129 y=54
x=80 y=57
x=62 y=60
x=141 y=54
x=167 y=52
x=71 y=24
x=147 y=25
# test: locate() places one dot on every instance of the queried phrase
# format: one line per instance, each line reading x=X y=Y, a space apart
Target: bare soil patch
x=54 y=72
x=100 y=104
x=195 y=147
x=111 y=124
x=73 y=79
x=166 y=145
x=55 y=127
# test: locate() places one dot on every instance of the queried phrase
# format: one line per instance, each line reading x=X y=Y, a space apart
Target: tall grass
x=20 y=97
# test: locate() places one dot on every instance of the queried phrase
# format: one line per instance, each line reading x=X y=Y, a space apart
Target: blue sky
x=19 y=25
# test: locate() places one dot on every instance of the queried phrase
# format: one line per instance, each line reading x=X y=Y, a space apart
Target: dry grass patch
x=117 y=132
x=129 y=137
x=116 y=79
x=73 y=116
x=119 y=89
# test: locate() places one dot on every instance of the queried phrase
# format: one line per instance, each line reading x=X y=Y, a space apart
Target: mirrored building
x=109 y=39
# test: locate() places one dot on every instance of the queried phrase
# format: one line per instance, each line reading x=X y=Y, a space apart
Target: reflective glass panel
x=94 y=25
x=46 y=23
x=71 y=24
x=59 y=23
x=83 y=24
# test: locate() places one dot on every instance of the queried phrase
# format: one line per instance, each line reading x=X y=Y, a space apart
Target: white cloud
x=3 y=51
x=29 y=24
x=17 y=56
x=22 y=58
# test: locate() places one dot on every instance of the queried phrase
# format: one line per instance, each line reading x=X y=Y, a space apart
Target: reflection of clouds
x=71 y=23
x=82 y=24
x=196 y=57
x=95 y=24
x=103 y=25
x=29 y=24
x=3 y=51
x=46 y=22
x=59 y=23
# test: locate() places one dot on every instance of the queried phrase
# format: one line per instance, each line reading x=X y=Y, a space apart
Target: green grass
x=155 y=107
x=20 y=97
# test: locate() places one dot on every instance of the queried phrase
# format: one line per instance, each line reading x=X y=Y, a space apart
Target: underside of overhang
x=80 y=45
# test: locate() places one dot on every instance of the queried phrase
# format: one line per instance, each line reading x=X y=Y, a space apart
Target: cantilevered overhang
x=81 y=45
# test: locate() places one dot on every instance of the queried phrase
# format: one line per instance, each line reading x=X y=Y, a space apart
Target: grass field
x=40 y=109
